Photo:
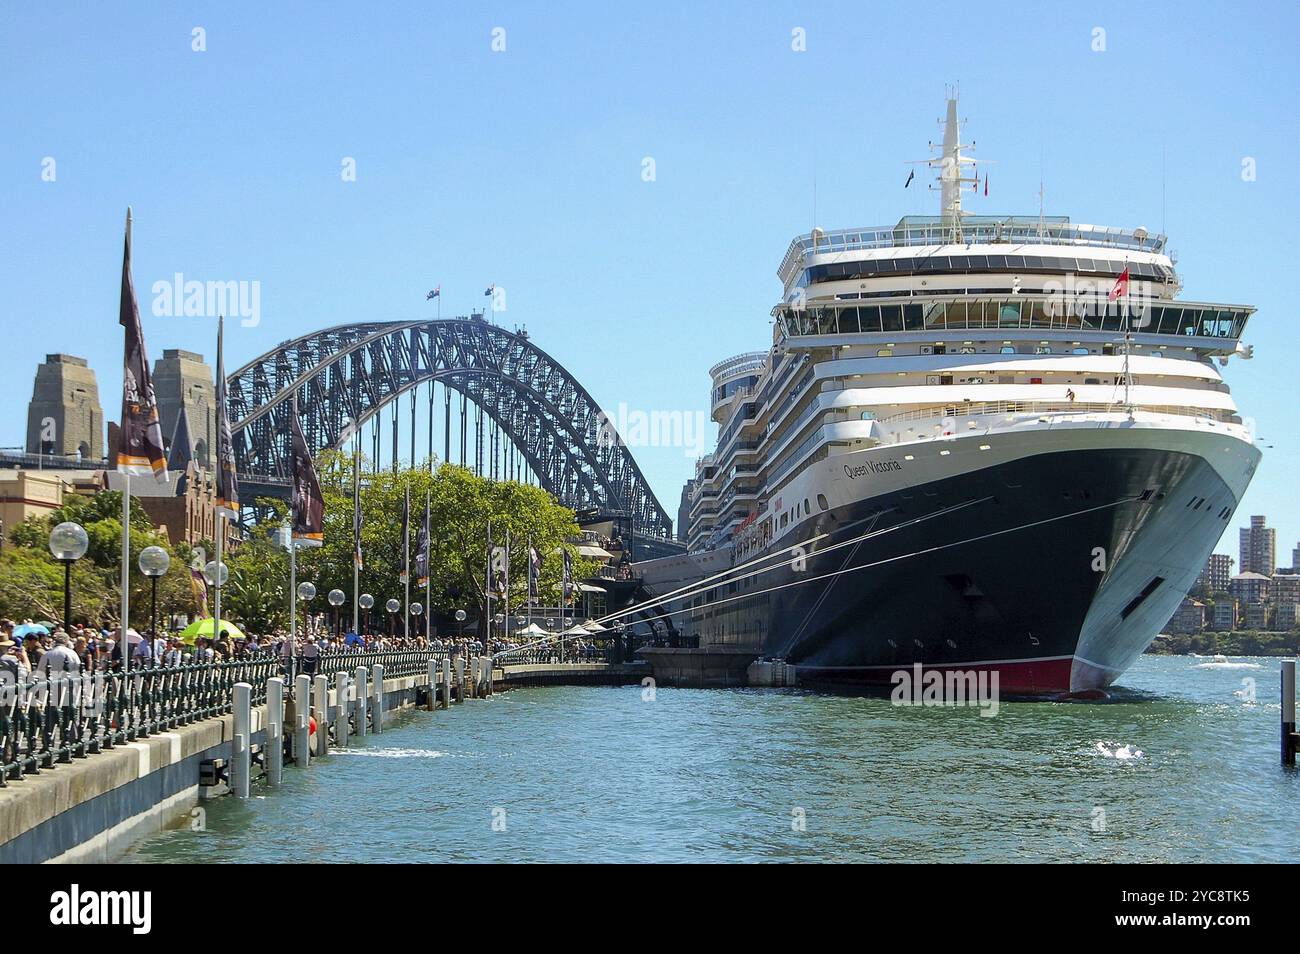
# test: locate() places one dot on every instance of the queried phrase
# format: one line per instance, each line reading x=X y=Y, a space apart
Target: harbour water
x=1179 y=766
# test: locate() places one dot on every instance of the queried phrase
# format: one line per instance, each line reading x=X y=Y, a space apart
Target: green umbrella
x=203 y=627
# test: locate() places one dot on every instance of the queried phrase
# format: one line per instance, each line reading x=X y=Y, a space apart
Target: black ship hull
x=1054 y=570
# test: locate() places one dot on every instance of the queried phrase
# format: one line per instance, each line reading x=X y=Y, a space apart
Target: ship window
x=1138 y=600
x=1015 y=261
x=1036 y=262
x=912 y=319
x=892 y=317
x=821 y=502
x=1006 y=349
x=807 y=507
x=1079 y=351
x=997 y=261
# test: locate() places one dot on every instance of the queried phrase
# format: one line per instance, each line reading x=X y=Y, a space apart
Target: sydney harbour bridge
x=521 y=415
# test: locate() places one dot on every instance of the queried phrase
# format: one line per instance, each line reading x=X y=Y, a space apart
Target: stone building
x=182 y=379
x=64 y=417
x=185 y=507
x=29 y=493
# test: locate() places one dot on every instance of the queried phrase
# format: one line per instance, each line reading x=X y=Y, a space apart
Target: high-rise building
x=684 y=510
x=1258 y=548
x=1216 y=575
x=182 y=379
x=64 y=417
x=1295 y=559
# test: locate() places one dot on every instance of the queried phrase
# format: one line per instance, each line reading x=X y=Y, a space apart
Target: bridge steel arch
x=349 y=372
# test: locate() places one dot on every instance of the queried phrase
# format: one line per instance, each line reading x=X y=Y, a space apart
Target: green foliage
x=1240 y=643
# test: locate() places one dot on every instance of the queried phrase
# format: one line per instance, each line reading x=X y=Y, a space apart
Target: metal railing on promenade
x=52 y=718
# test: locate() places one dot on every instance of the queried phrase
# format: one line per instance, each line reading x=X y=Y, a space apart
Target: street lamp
x=68 y=544
x=393 y=606
x=460 y=622
x=365 y=601
x=154 y=562
x=416 y=610
x=211 y=570
x=306 y=593
x=336 y=599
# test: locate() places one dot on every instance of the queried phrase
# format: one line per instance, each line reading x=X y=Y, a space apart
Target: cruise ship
x=976 y=442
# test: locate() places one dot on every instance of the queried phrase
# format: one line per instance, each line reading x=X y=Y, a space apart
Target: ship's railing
x=981 y=233
x=1020 y=409
x=750 y=361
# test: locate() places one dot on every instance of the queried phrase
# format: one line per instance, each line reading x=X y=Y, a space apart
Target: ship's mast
x=950 y=163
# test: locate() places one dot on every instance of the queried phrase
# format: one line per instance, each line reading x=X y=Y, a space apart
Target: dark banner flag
x=534 y=570
x=568 y=576
x=140 y=447
x=356 y=511
x=227 y=481
x=422 y=548
x=308 y=503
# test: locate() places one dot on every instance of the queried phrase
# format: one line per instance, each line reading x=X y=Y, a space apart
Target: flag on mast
x=307 y=502
x=436 y=293
x=422 y=548
x=356 y=512
x=227 y=481
x=534 y=569
x=140 y=442
x=1120 y=288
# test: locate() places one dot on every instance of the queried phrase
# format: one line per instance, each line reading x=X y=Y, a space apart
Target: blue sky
x=523 y=168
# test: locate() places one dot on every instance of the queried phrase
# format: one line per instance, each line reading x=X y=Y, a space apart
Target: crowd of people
x=31 y=648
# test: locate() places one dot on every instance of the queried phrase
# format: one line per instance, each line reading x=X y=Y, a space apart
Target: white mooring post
x=322 y=714
x=486 y=669
x=302 y=727
x=446 y=683
x=432 y=699
x=460 y=679
x=1288 y=712
x=378 y=671
x=342 y=725
x=473 y=678
x=241 y=747
x=274 y=730
x=363 y=700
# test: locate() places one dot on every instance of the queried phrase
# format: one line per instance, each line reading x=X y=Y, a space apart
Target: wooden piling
x=1288 y=712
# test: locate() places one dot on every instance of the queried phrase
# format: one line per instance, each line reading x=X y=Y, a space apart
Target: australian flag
x=436 y=293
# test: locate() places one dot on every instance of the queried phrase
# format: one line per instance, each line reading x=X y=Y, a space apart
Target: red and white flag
x=1121 y=285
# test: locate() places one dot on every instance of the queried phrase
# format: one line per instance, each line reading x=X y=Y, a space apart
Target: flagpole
x=506 y=608
x=486 y=633
x=293 y=590
x=406 y=563
x=126 y=550
x=428 y=570
x=356 y=494
x=218 y=529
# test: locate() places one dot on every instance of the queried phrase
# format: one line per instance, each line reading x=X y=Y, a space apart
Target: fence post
x=322 y=711
x=446 y=682
x=274 y=730
x=342 y=724
x=302 y=715
x=460 y=679
x=240 y=755
x=433 y=684
x=363 y=700
x=378 y=671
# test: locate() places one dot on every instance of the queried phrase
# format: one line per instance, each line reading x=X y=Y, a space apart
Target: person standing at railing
x=310 y=656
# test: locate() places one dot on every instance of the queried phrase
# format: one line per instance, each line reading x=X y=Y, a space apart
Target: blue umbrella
x=26 y=629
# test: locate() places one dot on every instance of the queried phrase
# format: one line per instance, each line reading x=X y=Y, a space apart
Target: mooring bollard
x=487 y=675
x=473 y=678
x=342 y=724
x=302 y=730
x=446 y=683
x=363 y=700
x=1288 y=712
x=322 y=710
x=432 y=699
x=460 y=679
x=240 y=750
x=379 y=698
x=274 y=730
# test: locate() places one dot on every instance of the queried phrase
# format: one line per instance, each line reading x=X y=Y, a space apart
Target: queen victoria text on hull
x=982 y=442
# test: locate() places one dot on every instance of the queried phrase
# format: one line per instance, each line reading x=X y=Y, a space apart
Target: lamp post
x=336 y=599
x=306 y=593
x=417 y=609
x=460 y=622
x=154 y=562
x=393 y=606
x=365 y=602
x=68 y=543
